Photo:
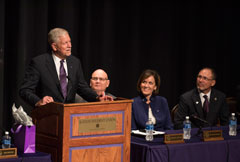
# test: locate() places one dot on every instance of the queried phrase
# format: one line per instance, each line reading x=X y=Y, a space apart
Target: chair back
x=173 y=112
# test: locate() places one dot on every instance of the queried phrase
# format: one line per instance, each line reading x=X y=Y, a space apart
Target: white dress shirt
x=57 y=65
x=203 y=99
x=150 y=115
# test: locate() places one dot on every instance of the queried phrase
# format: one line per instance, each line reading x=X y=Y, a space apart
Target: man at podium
x=56 y=76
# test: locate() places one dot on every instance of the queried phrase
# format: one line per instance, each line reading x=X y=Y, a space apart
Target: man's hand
x=45 y=100
x=103 y=97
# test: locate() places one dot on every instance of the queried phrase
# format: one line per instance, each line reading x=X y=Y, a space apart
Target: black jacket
x=41 y=80
x=190 y=104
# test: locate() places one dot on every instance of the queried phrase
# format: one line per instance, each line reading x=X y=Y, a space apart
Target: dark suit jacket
x=160 y=111
x=190 y=104
x=41 y=80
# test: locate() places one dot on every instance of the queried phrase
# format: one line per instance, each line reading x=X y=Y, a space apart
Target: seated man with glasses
x=99 y=83
x=205 y=105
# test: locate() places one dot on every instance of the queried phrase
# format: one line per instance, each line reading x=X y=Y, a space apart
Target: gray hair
x=54 y=34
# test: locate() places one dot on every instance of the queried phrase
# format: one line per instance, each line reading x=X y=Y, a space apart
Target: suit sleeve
x=28 y=87
x=133 y=122
x=168 y=124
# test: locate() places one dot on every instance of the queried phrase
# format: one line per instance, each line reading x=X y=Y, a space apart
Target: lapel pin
x=197 y=102
x=215 y=99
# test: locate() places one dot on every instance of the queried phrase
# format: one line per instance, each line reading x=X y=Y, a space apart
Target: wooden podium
x=84 y=132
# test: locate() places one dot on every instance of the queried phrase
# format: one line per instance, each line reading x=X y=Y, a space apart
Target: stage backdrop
x=124 y=38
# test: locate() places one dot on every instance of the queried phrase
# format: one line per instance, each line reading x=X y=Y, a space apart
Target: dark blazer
x=41 y=80
x=160 y=111
x=190 y=104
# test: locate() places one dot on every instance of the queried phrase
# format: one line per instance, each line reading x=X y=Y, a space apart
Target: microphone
x=198 y=121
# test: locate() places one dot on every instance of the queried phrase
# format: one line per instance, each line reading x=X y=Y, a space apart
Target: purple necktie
x=205 y=104
x=63 y=79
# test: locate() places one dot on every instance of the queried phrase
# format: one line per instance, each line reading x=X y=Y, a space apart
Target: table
x=32 y=157
x=193 y=150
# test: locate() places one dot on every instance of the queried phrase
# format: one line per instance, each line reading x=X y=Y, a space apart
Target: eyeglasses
x=203 y=78
x=98 y=78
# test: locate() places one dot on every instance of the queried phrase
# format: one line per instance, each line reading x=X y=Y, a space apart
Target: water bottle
x=149 y=130
x=233 y=125
x=6 y=140
x=187 y=128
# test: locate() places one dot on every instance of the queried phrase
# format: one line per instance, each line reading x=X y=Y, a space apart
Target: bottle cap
x=6 y=132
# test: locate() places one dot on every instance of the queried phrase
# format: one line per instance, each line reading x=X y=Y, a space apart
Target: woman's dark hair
x=147 y=73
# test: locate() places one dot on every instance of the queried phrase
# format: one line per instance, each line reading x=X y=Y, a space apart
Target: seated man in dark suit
x=203 y=102
x=56 y=76
x=99 y=83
